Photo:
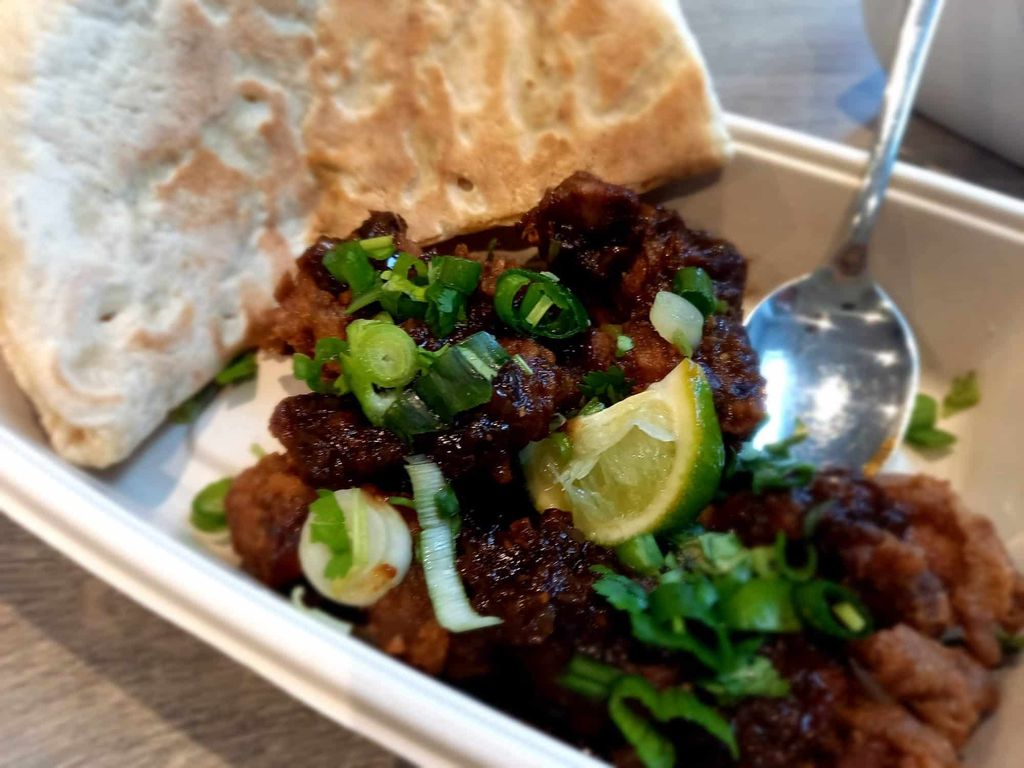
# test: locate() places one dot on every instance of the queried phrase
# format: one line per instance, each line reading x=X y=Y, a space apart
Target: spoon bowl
x=838 y=356
x=835 y=351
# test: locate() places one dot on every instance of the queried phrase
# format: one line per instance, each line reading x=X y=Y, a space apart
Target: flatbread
x=163 y=162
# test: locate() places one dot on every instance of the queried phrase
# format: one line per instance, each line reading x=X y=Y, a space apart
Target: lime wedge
x=649 y=463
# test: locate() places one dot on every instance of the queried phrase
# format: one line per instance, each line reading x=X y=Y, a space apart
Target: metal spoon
x=835 y=350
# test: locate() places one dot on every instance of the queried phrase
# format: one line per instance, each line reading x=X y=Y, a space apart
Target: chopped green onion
x=353 y=546
x=410 y=416
x=589 y=677
x=653 y=748
x=310 y=369
x=188 y=411
x=544 y=303
x=372 y=296
x=963 y=393
x=523 y=365
x=257 y=450
x=401 y=501
x=623 y=345
x=382 y=352
x=641 y=553
x=462 y=275
x=692 y=598
x=536 y=303
x=695 y=285
x=328 y=526
x=379 y=248
x=591 y=407
x=437 y=548
x=922 y=432
x=208 y=507
x=460 y=379
x=832 y=609
x=677 y=321
x=803 y=572
x=850 y=616
x=761 y=605
x=240 y=369
x=349 y=264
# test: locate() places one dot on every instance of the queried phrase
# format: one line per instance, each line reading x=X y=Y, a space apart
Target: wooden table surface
x=89 y=678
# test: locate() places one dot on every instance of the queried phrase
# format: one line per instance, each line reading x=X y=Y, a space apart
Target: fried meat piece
x=731 y=365
x=964 y=551
x=617 y=252
x=944 y=687
x=311 y=303
x=331 y=442
x=266 y=507
x=402 y=623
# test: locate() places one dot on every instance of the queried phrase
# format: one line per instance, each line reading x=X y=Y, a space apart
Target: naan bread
x=164 y=161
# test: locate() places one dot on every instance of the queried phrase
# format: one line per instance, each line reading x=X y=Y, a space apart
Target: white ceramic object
x=950 y=253
x=974 y=83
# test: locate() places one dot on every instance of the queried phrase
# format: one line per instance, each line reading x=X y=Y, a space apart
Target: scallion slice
x=382 y=352
x=378 y=248
x=462 y=275
x=354 y=546
x=695 y=285
x=410 y=416
x=536 y=303
x=208 y=507
x=437 y=548
x=832 y=609
x=641 y=553
x=349 y=264
x=803 y=572
x=589 y=677
x=240 y=369
x=761 y=605
x=678 y=321
x=630 y=692
x=460 y=379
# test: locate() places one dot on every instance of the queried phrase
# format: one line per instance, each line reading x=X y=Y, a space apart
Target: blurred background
x=89 y=678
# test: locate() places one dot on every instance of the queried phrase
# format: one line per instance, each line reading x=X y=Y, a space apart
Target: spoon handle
x=919 y=25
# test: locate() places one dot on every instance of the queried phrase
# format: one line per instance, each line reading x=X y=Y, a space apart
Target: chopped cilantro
x=772 y=467
x=753 y=676
x=608 y=386
x=621 y=591
x=963 y=393
x=623 y=345
x=922 y=432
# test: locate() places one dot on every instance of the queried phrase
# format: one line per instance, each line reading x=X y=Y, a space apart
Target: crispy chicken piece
x=266 y=507
x=964 y=551
x=944 y=687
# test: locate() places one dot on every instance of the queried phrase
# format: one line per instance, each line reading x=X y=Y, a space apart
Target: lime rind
x=649 y=463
